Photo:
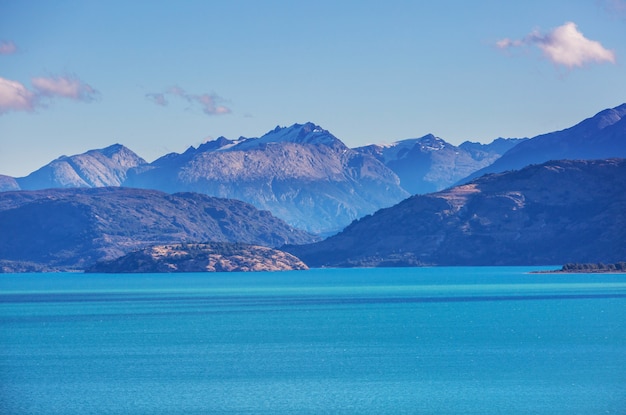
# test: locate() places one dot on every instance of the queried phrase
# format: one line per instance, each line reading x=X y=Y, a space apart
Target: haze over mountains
x=95 y=168
x=74 y=228
x=553 y=213
x=560 y=211
x=428 y=164
x=598 y=137
x=302 y=174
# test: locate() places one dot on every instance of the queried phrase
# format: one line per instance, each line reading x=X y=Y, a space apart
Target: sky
x=160 y=76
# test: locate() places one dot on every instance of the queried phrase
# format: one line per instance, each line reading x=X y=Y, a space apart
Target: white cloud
x=7 y=47
x=210 y=104
x=65 y=87
x=564 y=45
x=15 y=97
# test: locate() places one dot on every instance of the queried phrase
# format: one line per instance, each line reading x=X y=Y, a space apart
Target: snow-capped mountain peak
x=307 y=133
x=220 y=144
x=400 y=149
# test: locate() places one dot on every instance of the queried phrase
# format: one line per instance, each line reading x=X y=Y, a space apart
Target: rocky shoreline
x=600 y=268
x=201 y=257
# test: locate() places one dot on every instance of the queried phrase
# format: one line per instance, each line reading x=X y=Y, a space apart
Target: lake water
x=358 y=341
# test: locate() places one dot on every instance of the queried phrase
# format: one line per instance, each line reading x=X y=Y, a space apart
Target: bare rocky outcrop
x=209 y=257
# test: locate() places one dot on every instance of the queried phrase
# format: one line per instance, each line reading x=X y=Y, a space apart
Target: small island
x=599 y=268
x=201 y=257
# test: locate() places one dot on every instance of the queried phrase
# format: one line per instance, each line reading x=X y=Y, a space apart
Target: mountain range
x=65 y=229
x=601 y=136
x=302 y=173
x=95 y=168
x=553 y=213
x=94 y=207
x=429 y=163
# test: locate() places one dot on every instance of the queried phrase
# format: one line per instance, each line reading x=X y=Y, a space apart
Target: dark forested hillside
x=73 y=228
x=554 y=213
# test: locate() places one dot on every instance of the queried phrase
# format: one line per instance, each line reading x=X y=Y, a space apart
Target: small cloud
x=64 y=87
x=14 y=96
x=564 y=45
x=158 y=99
x=507 y=43
x=614 y=7
x=210 y=104
x=178 y=91
x=7 y=47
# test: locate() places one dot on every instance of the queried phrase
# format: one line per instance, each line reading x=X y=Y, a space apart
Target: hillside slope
x=429 y=163
x=95 y=168
x=302 y=174
x=599 y=137
x=73 y=228
x=554 y=213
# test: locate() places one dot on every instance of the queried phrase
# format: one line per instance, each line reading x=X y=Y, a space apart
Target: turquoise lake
x=483 y=340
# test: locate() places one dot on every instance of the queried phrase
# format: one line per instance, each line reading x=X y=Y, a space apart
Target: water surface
x=358 y=341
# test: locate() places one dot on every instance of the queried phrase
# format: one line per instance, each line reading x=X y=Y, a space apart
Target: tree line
x=599 y=267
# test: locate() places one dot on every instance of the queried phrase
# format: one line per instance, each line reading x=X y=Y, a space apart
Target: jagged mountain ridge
x=307 y=176
x=95 y=168
x=307 y=133
x=73 y=228
x=598 y=137
x=429 y=163
x=302 y=174
x=553 y=213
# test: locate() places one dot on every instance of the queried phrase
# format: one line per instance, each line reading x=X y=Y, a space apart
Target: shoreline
x=590 y=268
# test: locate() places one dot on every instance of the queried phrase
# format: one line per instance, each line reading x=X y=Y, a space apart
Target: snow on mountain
x=429 y=163
x=302 y=174
x=95 y=168
x=307 y=133
x=399 y=149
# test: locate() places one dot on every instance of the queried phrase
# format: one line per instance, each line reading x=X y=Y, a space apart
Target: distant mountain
x=429 y=163
x=8 y=183
x=74 y=228
x=95 y=168
x=302 y=174
x=211 y=257
x=553 y=213
x=599 y=137
x=306 y=176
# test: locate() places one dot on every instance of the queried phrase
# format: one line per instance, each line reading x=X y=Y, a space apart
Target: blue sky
x=159 y=76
